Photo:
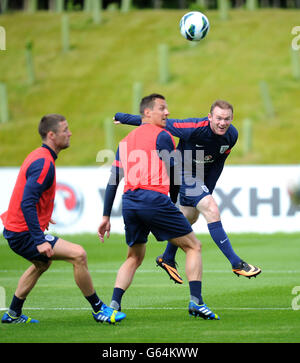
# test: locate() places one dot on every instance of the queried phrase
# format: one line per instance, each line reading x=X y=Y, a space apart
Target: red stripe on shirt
x=192 y=125
x=44 y=172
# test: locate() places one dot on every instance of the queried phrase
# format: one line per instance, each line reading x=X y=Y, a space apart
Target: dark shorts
x=191 y=196
x=22 y=244
x=165 y=223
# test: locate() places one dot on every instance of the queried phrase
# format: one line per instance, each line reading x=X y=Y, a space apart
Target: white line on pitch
x=154 y=308
x=154 y=271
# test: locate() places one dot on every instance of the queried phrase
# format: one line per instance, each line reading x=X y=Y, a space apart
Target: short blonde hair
x=224 y=105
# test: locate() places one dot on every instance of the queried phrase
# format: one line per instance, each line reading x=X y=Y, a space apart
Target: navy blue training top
x=195 y=134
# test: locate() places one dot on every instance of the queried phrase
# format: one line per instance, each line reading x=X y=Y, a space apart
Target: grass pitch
x=256 y=310
x=95 y=78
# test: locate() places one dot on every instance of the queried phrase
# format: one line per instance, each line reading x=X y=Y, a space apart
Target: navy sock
x=116 y=298
x=16 y=305
x=170 y=252
x=195 y=291
x=222 y=241
x=95 y=302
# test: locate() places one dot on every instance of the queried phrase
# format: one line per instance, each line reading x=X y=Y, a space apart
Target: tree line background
x=10 y=5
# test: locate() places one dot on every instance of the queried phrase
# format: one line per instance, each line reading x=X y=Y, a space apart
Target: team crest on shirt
x=223 y=148
x=49 y=238
x=204 y=188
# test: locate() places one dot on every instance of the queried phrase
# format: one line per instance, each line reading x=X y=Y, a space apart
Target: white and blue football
x=194 y=26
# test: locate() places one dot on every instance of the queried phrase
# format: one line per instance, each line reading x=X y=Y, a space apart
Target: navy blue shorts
x=191 y=196
x=164 y=222
x=22 y=244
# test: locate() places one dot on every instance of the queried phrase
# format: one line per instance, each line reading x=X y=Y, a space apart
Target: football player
x=204 y=145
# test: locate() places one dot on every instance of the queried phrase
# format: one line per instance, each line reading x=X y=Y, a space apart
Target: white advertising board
x=251 y=199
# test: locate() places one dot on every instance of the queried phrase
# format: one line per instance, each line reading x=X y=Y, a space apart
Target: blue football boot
x=8 y=319
x=203 y=311
x=108 y=315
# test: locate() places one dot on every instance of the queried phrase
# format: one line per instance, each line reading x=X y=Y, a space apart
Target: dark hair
x=49 y=123
x=148 y=101
x=224 y=105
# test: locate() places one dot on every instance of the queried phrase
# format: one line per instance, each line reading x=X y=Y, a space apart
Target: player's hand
x=104 y=228
x=116 y=122
x=45 y=249
x=52 y=222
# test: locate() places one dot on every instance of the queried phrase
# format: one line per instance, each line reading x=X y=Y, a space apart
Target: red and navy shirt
x=146 y=169
x=196 y=134
x=32 y=201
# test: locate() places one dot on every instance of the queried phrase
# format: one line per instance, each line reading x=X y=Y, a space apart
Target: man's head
x=55 y=132
x=154 y=109
x=220 y=116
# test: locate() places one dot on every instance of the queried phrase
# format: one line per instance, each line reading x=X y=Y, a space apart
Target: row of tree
x=8 y=5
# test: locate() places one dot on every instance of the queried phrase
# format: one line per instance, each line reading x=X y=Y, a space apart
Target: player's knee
x=192 y=218
x=41 y=267
x=214 y=213
x=191 y=214
x=190 y=242
x=80 y=256
x=211 y=212
x=209 y=208
x=197 y=246
x=194 y=243
x=137 y=260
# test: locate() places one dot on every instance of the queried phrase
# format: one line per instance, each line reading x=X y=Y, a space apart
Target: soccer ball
x=194 y=26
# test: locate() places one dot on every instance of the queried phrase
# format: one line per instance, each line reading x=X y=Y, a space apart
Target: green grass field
x=256 y=310
x=95 y=78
